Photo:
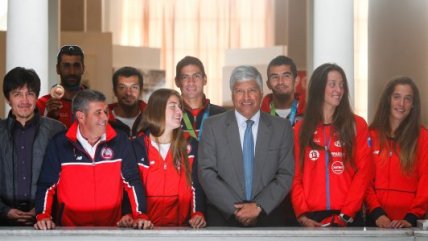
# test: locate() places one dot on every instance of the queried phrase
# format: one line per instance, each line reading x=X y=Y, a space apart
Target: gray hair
x=245 y=73
x=83 y=98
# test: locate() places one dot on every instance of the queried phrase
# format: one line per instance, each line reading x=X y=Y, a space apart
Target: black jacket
x=46 y=128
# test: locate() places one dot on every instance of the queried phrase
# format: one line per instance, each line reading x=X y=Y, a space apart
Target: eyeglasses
x=195 y=76
x=70 y=50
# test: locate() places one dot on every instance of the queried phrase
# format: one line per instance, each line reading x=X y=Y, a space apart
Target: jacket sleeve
x=363 y=170
x=198 y=195
x=217 y=190
x=420 y=202
x=4 y=209
x=374 y=207
x=47 y=183
x=280 y=183
x=132 y=182
x=298 y=198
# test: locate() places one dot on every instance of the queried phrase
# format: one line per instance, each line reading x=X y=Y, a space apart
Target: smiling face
x=334 y=90
x=22 y=102
x=92 y=123
x=246 y=97
x=281 y=80
x=173 y=113
x=401 y=103
x=191 y=82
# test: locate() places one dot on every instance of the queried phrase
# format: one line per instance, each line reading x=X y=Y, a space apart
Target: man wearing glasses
x=191 y=78
x=70 y=67
x=282 y=78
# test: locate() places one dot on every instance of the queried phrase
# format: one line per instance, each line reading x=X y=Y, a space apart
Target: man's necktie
x=248 y=153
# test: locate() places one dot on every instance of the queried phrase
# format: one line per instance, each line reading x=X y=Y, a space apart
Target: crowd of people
x=178 y=160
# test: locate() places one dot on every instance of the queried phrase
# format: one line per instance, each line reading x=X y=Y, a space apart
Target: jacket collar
x=71 y=134
x=11 y=119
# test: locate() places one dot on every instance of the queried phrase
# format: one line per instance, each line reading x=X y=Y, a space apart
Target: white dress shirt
x=85 y=144
x=242 y=124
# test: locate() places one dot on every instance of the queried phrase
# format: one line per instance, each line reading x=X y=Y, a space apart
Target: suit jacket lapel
x=234 y=148
x=262 y=147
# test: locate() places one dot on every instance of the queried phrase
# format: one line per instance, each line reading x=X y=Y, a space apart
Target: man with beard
x=282 y=78
x=70 y=67
x=126 y=113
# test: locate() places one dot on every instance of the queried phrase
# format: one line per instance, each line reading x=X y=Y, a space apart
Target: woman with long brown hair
x=167 y=163
x=398 y=195
x=332 y=156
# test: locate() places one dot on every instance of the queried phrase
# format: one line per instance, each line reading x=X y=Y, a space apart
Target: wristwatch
x=346 y=218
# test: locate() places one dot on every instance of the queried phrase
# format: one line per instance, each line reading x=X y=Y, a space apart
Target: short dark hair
x=127 y=71
x=18 y=77
x=70 y=50
x=83 y=98
x=188 y=60
x=283 y=60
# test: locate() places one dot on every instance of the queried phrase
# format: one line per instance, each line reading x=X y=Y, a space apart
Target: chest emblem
x=314 y=155
x=107 y=153
x=337 y=167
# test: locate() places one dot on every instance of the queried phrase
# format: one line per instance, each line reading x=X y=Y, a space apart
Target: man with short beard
x=126 y=113
x=282 y=78
x=70 y=67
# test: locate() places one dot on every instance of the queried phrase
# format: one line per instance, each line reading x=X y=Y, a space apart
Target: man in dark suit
x=246 y=159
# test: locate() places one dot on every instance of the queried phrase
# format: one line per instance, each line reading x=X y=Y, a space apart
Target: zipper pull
x=164 y=165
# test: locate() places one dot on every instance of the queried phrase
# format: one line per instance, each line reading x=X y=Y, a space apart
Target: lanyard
x=291 y=117
x=189 y=125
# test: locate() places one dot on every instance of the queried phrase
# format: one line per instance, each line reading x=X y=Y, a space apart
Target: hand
x=52 y=107
x=383 y=222
x=400 y=224
x=44 y=224
x=307 y=222
x=26 y=218
x=142 y=224
x=197 y=222
x=126 y=221
x=247 y=213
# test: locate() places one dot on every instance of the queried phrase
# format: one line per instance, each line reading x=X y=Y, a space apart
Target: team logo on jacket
x=314 y=155
x=189 y=148
x=338 y=143
x=337 y=167
x=107 y=153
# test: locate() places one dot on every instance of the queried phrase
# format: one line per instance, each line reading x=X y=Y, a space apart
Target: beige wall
x=297 y=33
x=290 y=29
x=397 y=45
